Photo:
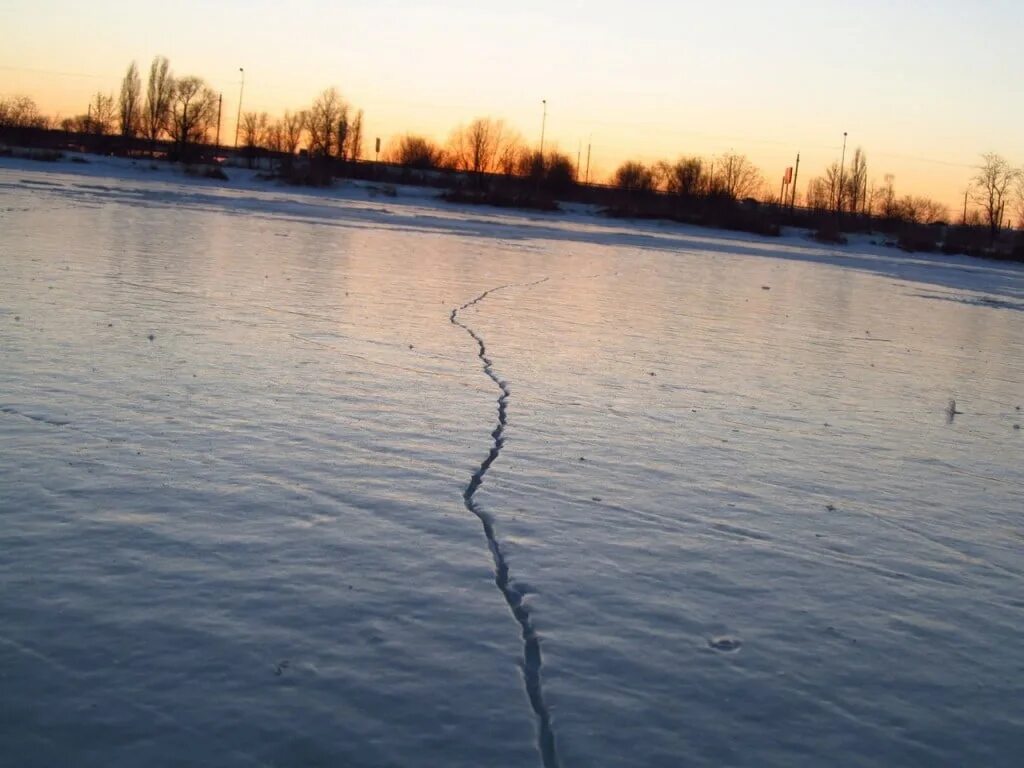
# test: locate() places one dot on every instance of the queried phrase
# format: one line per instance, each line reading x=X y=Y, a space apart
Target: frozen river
x=654 y=496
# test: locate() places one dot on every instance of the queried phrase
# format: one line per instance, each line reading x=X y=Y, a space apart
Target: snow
x=739 y=521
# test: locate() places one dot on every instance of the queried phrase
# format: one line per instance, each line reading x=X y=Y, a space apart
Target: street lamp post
x=842 y=165
x=543 y=124
x=238 y=119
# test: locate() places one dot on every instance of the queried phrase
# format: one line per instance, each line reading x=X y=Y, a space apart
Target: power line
x=36 y=71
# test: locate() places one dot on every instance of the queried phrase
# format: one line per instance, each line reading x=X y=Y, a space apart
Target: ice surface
x=237 y=427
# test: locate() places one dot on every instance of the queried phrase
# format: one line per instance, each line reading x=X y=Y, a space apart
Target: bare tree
x=254 y=129
x=159 y=91
x=416 y=152
x=1020 y=198
x=683 y=177
x=634 y=177
x=20 y=112
x=344 y=134
x=129 y=103
x=993 y=185
x=293 y=125
x=887 y=197
x=193 y=111
x=476 y=147
x=322 y=123
x=355 y=138
x=737 y=176
x=855 y=181
x=274 y=136
x=833 y=178
x=819 y=194
x=559 y=172
x=511 y=153
x=920 y=210
x=555 y=171
x=102 y=114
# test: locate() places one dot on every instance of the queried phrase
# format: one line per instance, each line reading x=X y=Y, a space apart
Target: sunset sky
x=923 y=87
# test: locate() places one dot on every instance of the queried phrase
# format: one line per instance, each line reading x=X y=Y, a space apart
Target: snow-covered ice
x=255 y=487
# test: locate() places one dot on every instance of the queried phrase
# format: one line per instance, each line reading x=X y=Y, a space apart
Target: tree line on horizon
x=185 y=111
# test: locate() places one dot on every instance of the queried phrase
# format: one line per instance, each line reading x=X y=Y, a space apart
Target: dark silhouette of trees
x=292 y=128
x=355 y=137
x=159 y=91
x=20 y=112
x=324 y=121
x=284 y=135
x=102 y=115
x=855 y=181
x=274 y=137
x=344 y=133
x=819 y=195
x=477 y=147
x=633 y=177
x=1020 y=198
x=129 y=103
x=993 y=186
x=915 y=209
x=255 y=133
x=833 y=178
x=690 y=189
x=553 y=173
x=737 y=177
x=511 y=153
x=887 y=198
x=684 y=178
x=254 y=129
x=416 y=152
x=559 y=173
x=193 y=111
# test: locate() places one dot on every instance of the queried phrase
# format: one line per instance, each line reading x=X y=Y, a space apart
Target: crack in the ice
x=532 y=660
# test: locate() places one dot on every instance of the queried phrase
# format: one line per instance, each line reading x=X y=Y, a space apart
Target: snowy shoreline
x=360 y=203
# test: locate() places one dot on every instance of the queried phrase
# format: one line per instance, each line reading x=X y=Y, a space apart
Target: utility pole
x=238 y=119
x=587 y=177
x=220 y=103
x=796 y=173
x=543 y=125
x=966 y=192
x=839 y=192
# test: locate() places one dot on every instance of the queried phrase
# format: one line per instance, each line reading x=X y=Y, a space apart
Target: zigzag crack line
x=532 y=660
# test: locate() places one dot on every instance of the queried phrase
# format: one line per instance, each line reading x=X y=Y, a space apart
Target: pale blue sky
x=923 y=87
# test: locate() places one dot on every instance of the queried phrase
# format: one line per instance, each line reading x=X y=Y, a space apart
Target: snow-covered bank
x=411 y=208
x=239 y=431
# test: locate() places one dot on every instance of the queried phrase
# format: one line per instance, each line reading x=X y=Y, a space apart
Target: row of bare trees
x=857 y=197
x=486 y=147
x=182 y=109
x=21 y=112
x=185 y=110
x=997 y=191
x=730 y=175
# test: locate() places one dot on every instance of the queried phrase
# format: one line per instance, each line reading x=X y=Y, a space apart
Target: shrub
x=829 y=234
x=914 y=239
